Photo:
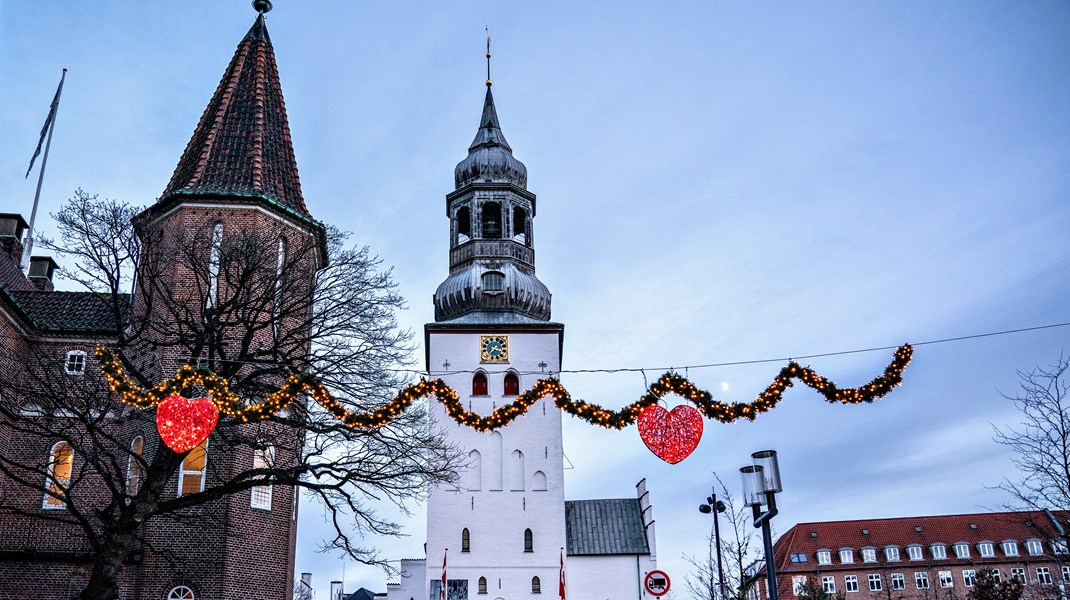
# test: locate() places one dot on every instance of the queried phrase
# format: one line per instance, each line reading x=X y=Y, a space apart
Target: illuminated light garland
x=230 y=404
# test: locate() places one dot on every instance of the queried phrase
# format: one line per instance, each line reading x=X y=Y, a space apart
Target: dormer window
x=75 y=363
x=847 y=556
x=891 y=554
x=493 y=282
x=962 y=550
x=986 y=549
x=869 y=555
x=914 y=552
x=938 y=551
x=1009 y=547
x=824 y=557
x=1034 y=547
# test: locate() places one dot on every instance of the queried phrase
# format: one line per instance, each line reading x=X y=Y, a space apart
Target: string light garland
x=230 y=404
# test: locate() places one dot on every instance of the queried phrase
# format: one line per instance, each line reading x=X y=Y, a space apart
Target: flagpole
x=40 y=178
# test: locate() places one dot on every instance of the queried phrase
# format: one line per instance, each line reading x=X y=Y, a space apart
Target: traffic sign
x=656 y=583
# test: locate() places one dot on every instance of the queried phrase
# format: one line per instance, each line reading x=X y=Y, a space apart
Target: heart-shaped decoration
x=670 y=435
x=185 y=423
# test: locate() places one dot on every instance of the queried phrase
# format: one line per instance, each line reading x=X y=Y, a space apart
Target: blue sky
x=716 y=182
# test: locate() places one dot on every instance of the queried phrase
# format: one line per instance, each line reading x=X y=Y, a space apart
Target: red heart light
x=671 y=435
x=185 y=423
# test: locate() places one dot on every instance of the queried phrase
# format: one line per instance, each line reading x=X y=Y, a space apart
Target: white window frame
x=213 y=264
x=869 y=555
x=891 y=554
x=74 y=355
x=921 y=580
x=938 y=551
x=1044 y=575
x=875 y=582
x=1066 y=573
x=797 y=583
x=1034 y=547
x=828 y=583
x=899 y=581
x=849 y=582
x=263 y=458
x=847 y=556
x=183 y=472
x=969 y=577
x=181 y=592
x=1009 y=547
x=1019 y=574
x=986 y=549
x=962 y=550
x=51 y=502
x=946 y=579
x=914 y=552
x=997 y=574
x=824 y=557
x=133 y=467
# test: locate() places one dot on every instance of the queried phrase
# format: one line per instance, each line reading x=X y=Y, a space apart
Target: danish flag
x=561 y=587
x=442 y=588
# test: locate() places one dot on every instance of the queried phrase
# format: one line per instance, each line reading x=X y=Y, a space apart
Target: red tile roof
x=242 y=143
x=901 y=532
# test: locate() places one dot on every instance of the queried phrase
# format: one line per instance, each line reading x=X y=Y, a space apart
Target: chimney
x=306 y=578
x=41 y=270
x=12 y=228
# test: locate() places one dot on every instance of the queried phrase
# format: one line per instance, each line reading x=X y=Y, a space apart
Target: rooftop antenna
x=489 y=82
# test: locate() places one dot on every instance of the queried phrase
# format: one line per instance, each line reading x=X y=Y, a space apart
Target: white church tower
x=504 y=526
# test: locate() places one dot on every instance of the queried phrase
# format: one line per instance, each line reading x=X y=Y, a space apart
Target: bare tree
x=740 y=548
x=254 y=308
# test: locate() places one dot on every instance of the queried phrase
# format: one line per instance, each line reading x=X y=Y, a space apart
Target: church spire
x=241 y=146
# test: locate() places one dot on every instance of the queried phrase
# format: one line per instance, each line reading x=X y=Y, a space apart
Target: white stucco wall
x=607 y=577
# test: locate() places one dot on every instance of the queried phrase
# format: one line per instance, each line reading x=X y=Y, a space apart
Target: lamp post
x=761 y=483
x=715 y=506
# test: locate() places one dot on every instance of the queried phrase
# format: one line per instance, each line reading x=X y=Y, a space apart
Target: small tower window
x=520 y=224
x=492 y=221
x=464 y=224
x=482 y=585
x=529 y=545
x=133 y=466
x=479 y=384
x=214 y=265
x=536 y=585
x=465 y=541
x=75 y=363
x=493 y=282
x=512 y=384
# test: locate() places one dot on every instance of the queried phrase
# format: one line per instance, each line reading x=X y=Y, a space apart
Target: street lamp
x=715 y=506
x=761 y=483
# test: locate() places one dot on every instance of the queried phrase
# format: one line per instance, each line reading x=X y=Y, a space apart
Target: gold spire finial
x=489 y=82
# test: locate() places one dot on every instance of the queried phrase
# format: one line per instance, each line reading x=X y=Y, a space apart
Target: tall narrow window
x=213 y=265
x=133 y=466
x=479 y=384
x=475 y=471
x=520 y=222
x=491 y=220
x=466 y=541
x=263 y=458
x=512 y=384
x=60 y=462
x=516 y=471
x=191 y=473
x=482 y=585
x=277 y=304
x=536 y=585
x=495 y=463
x=464 y=224
x=529 y=543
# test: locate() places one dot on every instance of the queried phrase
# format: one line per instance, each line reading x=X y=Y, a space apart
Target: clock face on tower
x=493 y=348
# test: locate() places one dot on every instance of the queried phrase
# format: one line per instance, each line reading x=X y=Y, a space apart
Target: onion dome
x=490 y=159
x=487 y=292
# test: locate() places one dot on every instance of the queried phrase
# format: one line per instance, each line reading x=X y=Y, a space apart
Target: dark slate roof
x=242 y=143
x=67 y=311
x=607 y=526
x=361 y=594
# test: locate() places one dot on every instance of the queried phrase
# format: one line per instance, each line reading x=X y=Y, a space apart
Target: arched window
x=133 y=466
x=493 y=282
x=482 y=585
x=213 y=265
x=191 y=473
x=60 y=463
x=492 y=221
x=516 y=471
x=180 y=592
x=538 y=481
x=464 y=224
x=520 y=222
x=263 y=458
x=475 y=471
x=512 y=384
x=529 y=545
x=479 y=384
x=536 y=585
x=494 y=463
x=466 y=541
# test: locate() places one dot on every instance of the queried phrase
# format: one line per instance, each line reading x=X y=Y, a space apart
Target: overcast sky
x=715 y=184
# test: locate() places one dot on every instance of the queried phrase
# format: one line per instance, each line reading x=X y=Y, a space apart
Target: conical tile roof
x=242 y=145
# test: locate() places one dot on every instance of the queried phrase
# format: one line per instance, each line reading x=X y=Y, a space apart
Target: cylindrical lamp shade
x=766 y=460
x=753 y=482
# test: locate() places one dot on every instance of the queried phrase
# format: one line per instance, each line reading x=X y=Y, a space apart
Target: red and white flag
x=442 y=588
x=561 y=587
